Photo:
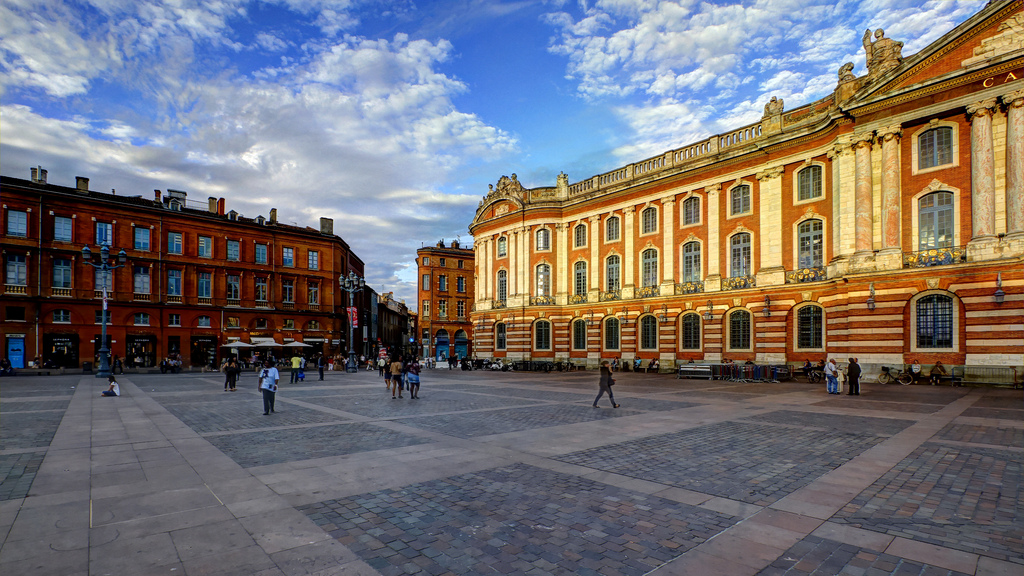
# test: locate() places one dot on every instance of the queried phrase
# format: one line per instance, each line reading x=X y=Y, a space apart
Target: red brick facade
x=445 y=295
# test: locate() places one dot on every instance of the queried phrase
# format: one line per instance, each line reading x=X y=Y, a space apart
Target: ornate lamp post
x=104 y=264
x=351 y=284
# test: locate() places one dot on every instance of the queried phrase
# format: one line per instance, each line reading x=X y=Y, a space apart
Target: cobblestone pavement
x=508 y=473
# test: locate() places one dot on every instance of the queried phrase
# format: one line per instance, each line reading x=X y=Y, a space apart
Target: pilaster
x=982 y=181
x=628 y=256
x=712 y=256
x=891 y=255
x=561 y=288
x=668 y=252
x=593 y=272
x=770 y=272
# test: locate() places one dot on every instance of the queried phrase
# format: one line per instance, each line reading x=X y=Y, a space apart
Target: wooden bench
x=693 y=371
x=984 y=375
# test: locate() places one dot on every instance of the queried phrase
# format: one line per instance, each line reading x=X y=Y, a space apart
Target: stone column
x=983 y=186
x=770 y=271
x=863 y=209
x=668 y=251
x=628 y=257
x=711 y=255
x=890 y=138
x=1014 y=102
x=561 y=272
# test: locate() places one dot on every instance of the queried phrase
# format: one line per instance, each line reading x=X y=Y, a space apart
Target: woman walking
x=231 y=372
x=396 y=377
x=606 y=385
x=414 y=378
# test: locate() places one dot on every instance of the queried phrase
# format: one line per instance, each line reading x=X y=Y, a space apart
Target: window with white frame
x=810 y=245
x=808 y=183
x=691 y=331
x=611 y=229
x=175 y=243
x=205 y=247
x=442 y=282
x=460 y=283
x=543 y=239
x=739 y=255
x=580 y=235
x=648 y=333
x=141 y=238
x=140 y=279
x=612 y=272
x=313 y=259
x=288 y=291
x=935 y=147
x=692 y=271
x=204 y=285
x=234 y=287
x=61 y=273
x=425 y=282
x=580 y=279
x=204 y=322
x=141 y=319
x=442 y=308
x=234 y=250
x=62 y=316
x=17 y=270
x=739 y=330
x=62 y=228
x=460 y=309
x=174 y=319
x=174 y=282
x=935 y=221
x=17 y=223
x=611 y=333
x=543 y=280
x=103 y=279
x=934 y=321
x=810 y=328
x=104 y=233
x=649 y=267
x=649 y=220
x=288 y=257
x=261 y=254
x=739 y=200
x=579 y=334
x=313 y=293
x=691 y=211
x=542 y=335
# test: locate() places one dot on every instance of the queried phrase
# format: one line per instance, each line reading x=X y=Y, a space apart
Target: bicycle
x=902 y=376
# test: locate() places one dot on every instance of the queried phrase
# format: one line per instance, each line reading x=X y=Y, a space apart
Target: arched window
x=739 y=330
x=935 y=321
x=62 y=316
x=691 y=211
x=543 y=239
x=611 y=333
x=502 y=286
x=935 y=221
x=649 y=258
x=691 y=262
x=580 y=278
x=542 y=335
x=611 y=272
x=935 y=147
x=739 y=200
x=543 y=280
x=691 y=332
x=810 y=244
x=739 y=252
x=502 y=247
x=809 y=183
x=809 y=328
x=611 y=229
x=649 y=220
x=580 y=235
x=499 y=336
x=579 y=334
x=648 y=333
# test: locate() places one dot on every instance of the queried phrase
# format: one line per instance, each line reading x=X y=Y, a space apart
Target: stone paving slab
x=29 y=430
x=474 y=424
x=814 y=555
x=880 y=426
x=24 y=405
x=243 y=413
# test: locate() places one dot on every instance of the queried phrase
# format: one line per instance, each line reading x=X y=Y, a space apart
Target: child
x=113 y=389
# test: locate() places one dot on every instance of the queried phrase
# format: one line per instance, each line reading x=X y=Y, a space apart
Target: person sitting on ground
x=936 y=373
x=113 y=389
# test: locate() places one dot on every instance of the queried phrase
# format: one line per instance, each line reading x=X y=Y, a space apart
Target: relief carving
x=1009 y=37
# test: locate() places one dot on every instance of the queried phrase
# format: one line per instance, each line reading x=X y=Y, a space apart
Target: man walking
x=320 y=365
x=853 y=378
x=269 y=377
x=296 y=364
x=832 y=381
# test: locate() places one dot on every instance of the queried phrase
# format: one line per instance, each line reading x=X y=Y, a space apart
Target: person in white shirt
x=832 y=382
x=113 y=389
x=268 y=378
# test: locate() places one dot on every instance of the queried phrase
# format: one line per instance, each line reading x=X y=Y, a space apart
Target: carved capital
x=712 y=190
x=768 y=174
x=594 y=219
x=561 y=227
x=1014 y=99
x=862 y=140
x=629 y=210
x=888 y=133
x=668 y=201
x=984 y=108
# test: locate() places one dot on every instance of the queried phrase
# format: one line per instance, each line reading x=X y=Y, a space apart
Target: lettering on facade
x=1002 y=79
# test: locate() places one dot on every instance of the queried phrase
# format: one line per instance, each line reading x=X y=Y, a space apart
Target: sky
x=393 y=116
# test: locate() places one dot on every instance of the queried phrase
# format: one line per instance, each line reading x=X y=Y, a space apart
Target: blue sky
x=392 y=117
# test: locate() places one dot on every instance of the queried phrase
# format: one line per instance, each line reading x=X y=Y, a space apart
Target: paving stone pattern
x=964 y=498
x=276 y=446
x=515 y=520
x=860 y=403
x=17 y=471
x=32 y=387
x=29 y=429
x=242 y=412
x=430 y=402
x=993 y=435
x=485 y=423
x=754 y=463
x=821 y=557
x=881 y=426
x=9 y=405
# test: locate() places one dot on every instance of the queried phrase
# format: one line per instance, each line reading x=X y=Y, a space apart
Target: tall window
x=499 y=336
x=140 y=279
x=261 y=253
x=935 y=321
x=62 y=229
x=234 y=250
x=580 y=279
x=611 y=229
x=61 y=273
x=739 y=330
x=502 y=286
x=313 y=259
x=17 y=270
x=543 y=239
x=542 y=335
x=649 y=220
x=104 y=233
x=612 y=267
x=174 y=243
x=649 y=333
x=205 y=247
x=460 y=308
x=288 y=290
x=810 y=244
x=543 y=280
x=261 y=289
x=580 y=235
x=313 y=293
x=174 y=282
x=62 y=316
x=442 y=282
x=288 y=257
x=234 y=282
x=425 y=282
x=442 y=308
x=174 y=319
x=739 y=199
x=502 y=247
x=204 y=285
x=691 y=211
x=739 y=252
x=104 y=279
x=809 y=327
x=649 y=258
x=935 y=147
x=460 y=283
x=426 y=308
x=611 y=333
x=691 y=262
x=691 y=332
x=141 y=238
x=808 y=183
x=935 y=221
x=579 y=334
x=17 y=223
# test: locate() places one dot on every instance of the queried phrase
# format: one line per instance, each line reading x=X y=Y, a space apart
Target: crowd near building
x=445 y=294
x=195 y=280
x=884 y=221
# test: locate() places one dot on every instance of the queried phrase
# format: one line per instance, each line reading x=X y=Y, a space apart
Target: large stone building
x=884 y=221
x=445 y=296
x=196 y=278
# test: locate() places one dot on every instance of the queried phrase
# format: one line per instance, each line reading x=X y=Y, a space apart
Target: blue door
x=461 y=344
x=16 y=352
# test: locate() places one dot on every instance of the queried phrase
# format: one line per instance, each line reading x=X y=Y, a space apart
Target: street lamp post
x=351 y=284
x=105 y=265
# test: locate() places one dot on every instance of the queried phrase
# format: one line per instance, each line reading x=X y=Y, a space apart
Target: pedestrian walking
x=296 y=364
x=413 y=375
x=268 y=380
x=606 y=385
x=386 y=371
x=381 y=362
x=231 y=372
x=396 y=377
x=320 y=365
x=831 y=381
x=853 y=378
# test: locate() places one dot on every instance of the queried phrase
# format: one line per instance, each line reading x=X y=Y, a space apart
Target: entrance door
x=461 y=344
x=441 y=352
x=16 y=351
x=60 y=350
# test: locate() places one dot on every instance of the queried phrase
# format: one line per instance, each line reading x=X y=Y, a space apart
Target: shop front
x=140 y=350
x=203 y=351
x=60 y=350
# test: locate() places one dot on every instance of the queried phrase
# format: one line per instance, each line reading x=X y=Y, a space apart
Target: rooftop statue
x=883 y=54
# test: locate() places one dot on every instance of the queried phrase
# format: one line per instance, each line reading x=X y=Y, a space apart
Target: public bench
x=693 y=371
x=984 y=375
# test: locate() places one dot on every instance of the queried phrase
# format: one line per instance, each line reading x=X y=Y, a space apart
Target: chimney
x=273 y=215
x=220 y=206
x=156 y=195
x=82 y=183
x=327 y=226
x=212 y=204
x=39 y=175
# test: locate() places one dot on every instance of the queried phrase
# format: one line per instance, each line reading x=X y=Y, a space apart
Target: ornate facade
x=884 y=221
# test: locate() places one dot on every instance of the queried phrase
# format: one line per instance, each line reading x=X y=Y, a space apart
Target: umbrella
x=238 y=345
x=297 y=345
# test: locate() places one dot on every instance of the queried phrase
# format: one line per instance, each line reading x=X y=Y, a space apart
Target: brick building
x=196 y=277
x=446 y=299
x=884 y=221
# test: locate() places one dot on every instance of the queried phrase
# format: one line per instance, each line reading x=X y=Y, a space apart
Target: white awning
x=263 y=341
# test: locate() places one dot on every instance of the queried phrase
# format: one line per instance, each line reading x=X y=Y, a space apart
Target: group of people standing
x=400 y=372
x=836 y=376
